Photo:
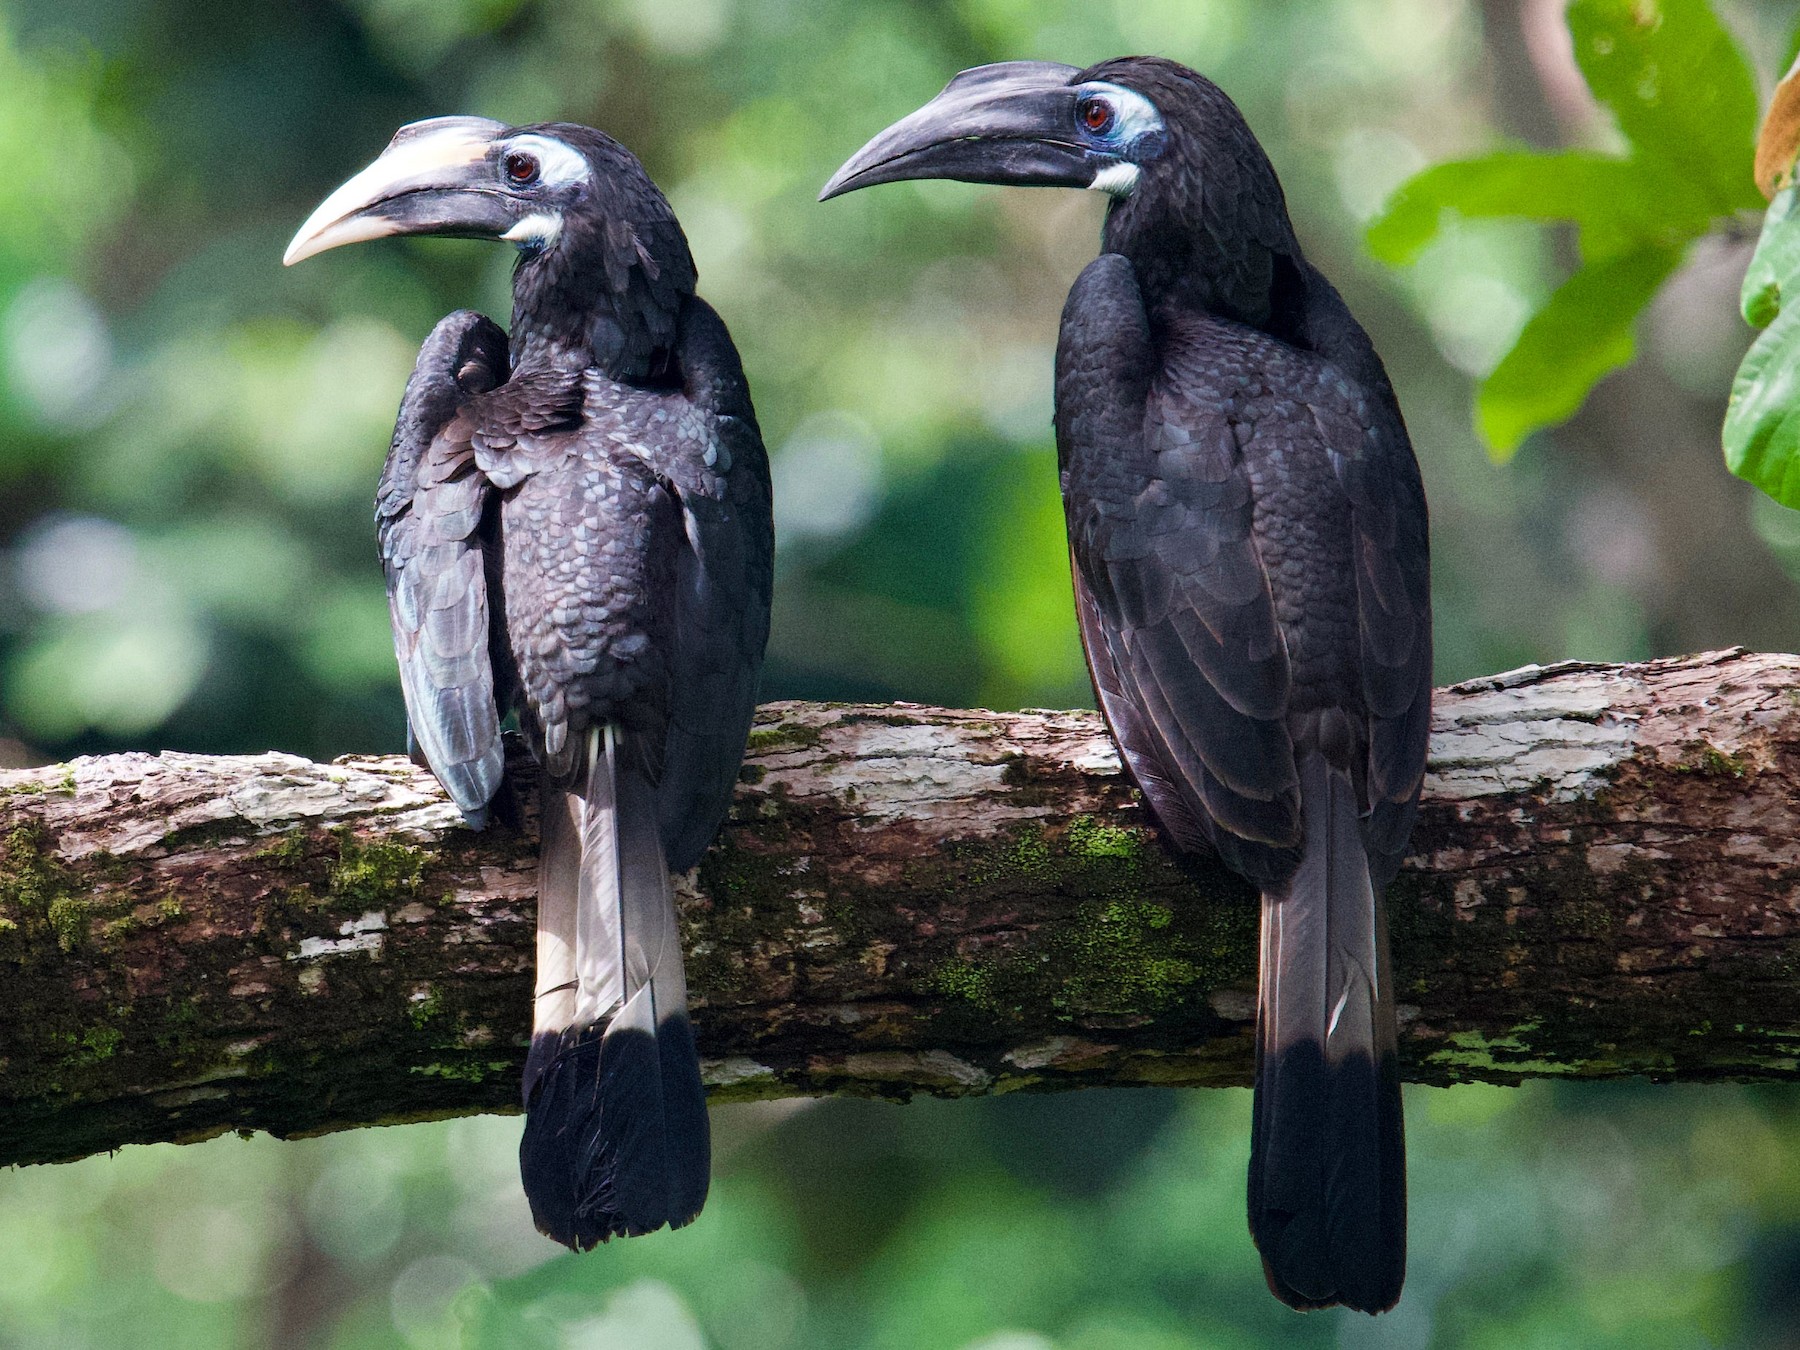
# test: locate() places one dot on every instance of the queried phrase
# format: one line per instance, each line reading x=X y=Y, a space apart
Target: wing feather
x=724 y=580
x=1176 y=614
x=429 y=511
x=1380 y=476
x=1392 y=565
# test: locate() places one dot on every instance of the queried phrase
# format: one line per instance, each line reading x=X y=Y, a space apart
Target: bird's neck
x=566 y=312
x=1193 y=256
x=558 y=331
x=1186 y=273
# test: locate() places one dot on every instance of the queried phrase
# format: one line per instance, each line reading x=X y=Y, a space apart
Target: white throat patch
x=537 y=230
x=1116 y=180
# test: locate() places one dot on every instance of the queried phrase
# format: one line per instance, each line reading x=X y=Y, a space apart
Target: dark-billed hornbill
x=575 y=523
x=1247 y=530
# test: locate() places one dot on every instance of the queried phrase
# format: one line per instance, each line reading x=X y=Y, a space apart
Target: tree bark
x=907 y=899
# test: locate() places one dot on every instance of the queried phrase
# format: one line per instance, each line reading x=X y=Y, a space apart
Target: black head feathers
x=612 y=271
x=1206 y=222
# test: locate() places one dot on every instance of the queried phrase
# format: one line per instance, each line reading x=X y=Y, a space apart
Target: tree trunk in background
x=1605 y=882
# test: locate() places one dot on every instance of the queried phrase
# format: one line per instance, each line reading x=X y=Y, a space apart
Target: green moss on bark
x=38 y=894
x=375 y=873
x=784 y=736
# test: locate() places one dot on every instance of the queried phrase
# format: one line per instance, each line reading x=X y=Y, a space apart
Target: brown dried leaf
x=1778 y=145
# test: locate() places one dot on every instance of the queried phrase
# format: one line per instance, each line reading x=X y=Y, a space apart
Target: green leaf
x=1776 y=262
x=1762 y=423
x=1679 y=87
x=1608 y=198
x=1686 y=102
x=1586 y=329
x=1761 y=435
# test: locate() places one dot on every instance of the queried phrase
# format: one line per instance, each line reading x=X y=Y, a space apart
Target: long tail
x=1328 y=1148
x=616 y=1137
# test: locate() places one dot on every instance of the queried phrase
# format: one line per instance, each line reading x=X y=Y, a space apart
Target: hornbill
x=575 y=524
x=1247 y=531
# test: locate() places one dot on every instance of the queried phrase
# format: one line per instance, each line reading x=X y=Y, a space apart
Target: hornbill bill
x=1247 y=530
x=575 y=523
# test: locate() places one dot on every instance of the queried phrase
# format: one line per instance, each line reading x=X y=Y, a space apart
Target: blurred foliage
x=1545 y=1217
x=1684 y=100
x=189 y=439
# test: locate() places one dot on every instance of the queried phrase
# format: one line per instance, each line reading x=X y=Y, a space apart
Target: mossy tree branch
x=1606 y=881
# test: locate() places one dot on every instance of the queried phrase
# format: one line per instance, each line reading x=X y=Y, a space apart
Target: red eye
x=1096 y=115
x=521 y=168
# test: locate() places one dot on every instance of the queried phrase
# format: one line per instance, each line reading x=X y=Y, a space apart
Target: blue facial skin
x=1133 y=130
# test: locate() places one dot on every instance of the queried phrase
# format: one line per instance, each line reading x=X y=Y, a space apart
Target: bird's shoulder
x=526 y=423
x=464 y=356
x=710 y=447
x=714 y=384
x=1182 y=397
x=1105 y=361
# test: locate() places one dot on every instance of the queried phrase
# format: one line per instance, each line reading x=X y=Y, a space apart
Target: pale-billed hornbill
x=1248 y=535
x=575 y=523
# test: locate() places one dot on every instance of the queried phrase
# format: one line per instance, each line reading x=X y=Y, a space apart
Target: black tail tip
x=1327 y=1193
x=1371 y=1293
x=601 y=1157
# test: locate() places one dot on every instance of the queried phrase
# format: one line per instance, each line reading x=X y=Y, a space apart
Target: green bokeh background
x=189 y=438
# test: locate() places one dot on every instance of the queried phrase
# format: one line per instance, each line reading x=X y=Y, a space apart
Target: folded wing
x=432 y=519
x=724 y=578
